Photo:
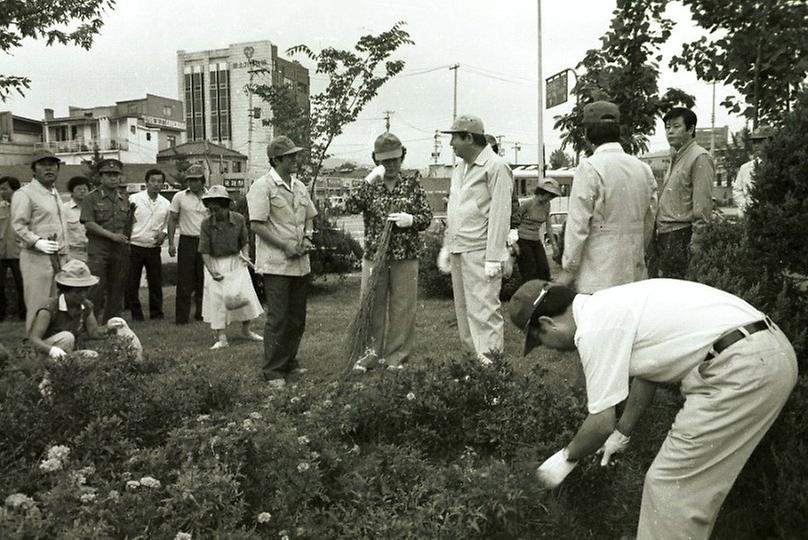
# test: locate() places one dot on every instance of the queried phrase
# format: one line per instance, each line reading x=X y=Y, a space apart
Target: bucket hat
x=216 y=192
x=550 y=186
x=75 y=273
x=42 y=155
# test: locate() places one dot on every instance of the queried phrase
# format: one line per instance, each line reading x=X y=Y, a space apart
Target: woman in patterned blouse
x=389 y=195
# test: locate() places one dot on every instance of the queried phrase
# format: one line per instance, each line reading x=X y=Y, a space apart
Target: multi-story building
x=214 y=86
x=132 y=131
x=18 y=136
x=222 y=165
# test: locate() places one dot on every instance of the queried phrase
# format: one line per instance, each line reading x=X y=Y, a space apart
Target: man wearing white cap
x=744 y=179
x=611 y=209
x=474 y=246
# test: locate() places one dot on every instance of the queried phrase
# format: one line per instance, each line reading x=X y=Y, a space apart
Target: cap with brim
x=282 y=146
x=522 y=307
x=41 y=155
x=550 y=186
x=387 y=146
x=110 y=165
x=195 y=171
x=216 y=192
x=75 y=273
x=601 y=112
x=468 y=124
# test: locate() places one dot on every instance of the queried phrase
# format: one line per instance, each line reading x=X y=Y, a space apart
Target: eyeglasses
x=537 y=303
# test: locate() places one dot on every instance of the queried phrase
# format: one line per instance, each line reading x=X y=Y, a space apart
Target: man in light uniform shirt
x=734 y=365
x=188 y=212
x=151 y=212
x=79 y=188
x=743 y=181
x=611 y=212
x=39 y=220
x=474 y=246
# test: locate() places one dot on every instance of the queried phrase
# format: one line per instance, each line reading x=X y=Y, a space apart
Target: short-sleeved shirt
x=223 y=238
x=657 y=329
x=78 y=235
x=60 y=318
x=150 y=218
x=376 y=202
x=109 y=209
x=190 y=211
x=287 y=211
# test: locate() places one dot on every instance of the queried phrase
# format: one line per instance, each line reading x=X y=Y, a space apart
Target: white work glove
x=376 y=172
x=616 y=443
x=56 y=353
x=401 y=219
x=492 y=269
x=513 y=237
x=48 y=247
x=444 y=264
x=555 y=469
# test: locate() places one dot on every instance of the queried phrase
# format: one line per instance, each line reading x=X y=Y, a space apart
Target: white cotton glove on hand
x=492 y=269
x=444 y=264
x=377 y=172
x=401 y=219
x=48 y=247
x=553 y=471
x=616 y=443
x=513 y=237
x=56 y=353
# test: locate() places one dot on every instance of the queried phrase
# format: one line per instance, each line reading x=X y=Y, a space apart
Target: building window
x=171 y=140
x=168 y=110
x=148 y=136
x=197 y=95
x=236 y=166
x=189 y=109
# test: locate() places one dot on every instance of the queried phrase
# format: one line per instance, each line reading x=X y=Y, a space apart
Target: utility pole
x=436 y=147
x=499 y=144
x=248 y=53
x=516 y=148
x=387 y=120
x=454 y=100
x=712 y=127
x=540 y=160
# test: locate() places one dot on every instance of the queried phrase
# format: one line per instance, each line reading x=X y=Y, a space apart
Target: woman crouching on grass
x=223 y=244
x=64 y=318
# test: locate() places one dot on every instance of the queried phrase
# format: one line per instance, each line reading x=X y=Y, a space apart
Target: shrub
x=431 y=282
x=336 y=251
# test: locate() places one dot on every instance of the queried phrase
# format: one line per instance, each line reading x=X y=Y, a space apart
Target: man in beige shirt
x=474 y=246
x=39 y=220
x=79 y=188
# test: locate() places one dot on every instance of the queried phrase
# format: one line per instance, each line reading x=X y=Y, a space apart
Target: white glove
x=492 y=269
x=444 y=264
x=513 y=237
x=617 y=442
x=377 y=172
x=555 y=469
x=56 y=353
x=401 y=219
x=47 y=247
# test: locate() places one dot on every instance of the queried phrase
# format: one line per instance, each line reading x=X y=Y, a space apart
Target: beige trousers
x=393 y=323
x=37 y=282
x=730 y=403
x=477 y=306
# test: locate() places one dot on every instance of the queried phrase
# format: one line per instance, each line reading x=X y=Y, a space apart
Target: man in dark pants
x=187 y=211
x=281 y=215
x=151 y=212
x=9 y=248
x=106 y=216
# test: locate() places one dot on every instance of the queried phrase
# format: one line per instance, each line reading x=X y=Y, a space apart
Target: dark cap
x=387 y=146
x=525 y=305
x=282 y=146
x=110 y=165
x=195 y=171
x=42 y=155
x=601 y=112
x=466 y=123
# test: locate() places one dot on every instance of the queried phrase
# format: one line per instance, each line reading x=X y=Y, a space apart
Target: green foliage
x=431 y=282
x=92 y=164
x=760 y=48
x=625 y=70
x=559 y=159
x=738 y=152
x=335 y=250
x=62 y=21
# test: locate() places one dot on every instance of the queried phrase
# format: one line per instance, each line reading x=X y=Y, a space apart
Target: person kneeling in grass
x=223 y=244
x=60 y=322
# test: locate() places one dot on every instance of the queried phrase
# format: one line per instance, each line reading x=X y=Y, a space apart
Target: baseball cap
x=43 y=154
x=525 y=305
x=110 y=165
x=387 y=146
x=217 y=192
x=282 y=146
x=195 y=171
x=76 y=273
x=601 y=112
x=466 y=123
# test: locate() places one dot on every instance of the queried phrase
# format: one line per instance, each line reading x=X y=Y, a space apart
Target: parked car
x=555 y=225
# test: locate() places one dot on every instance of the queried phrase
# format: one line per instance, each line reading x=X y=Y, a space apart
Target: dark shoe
x=157 y=317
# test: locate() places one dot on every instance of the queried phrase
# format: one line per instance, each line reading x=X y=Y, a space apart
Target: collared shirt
x=686 y=196
x=657 y=329
x=530 y=215
x=60 y=318
x=38 y=213
x=223 y=238
x=109 y=209
x=610 y=218
x=287 y=211
x=479 y=212
x=376 y=202
x=9 y=248
x=150 y=218
x=78 y=235
x=743 y=183
x=190 y=211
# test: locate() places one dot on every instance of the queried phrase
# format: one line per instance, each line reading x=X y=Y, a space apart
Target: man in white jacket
x=743 y=181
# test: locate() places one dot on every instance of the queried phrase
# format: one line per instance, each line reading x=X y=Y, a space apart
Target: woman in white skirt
x=223 y=245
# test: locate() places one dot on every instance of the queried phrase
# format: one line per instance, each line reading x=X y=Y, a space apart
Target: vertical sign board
x=556 y=90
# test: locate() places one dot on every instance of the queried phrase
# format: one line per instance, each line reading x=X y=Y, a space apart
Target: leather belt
x=725 y=341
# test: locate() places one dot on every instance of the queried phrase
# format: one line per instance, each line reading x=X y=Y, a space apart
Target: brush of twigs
x=359 y=337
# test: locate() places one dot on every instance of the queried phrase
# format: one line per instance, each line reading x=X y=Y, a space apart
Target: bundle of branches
x=359 y=337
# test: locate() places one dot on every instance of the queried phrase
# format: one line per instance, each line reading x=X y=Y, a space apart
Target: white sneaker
x=221 y=344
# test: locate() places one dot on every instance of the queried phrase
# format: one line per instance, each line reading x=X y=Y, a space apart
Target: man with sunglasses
x=735 y=367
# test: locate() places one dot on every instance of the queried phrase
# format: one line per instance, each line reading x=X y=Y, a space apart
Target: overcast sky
x=495 y=44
